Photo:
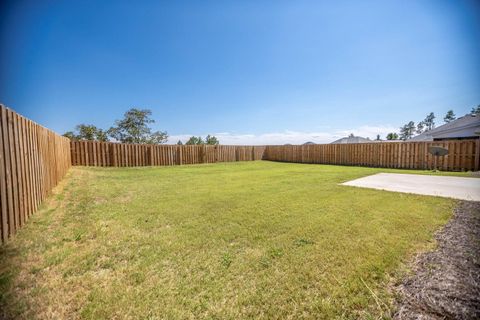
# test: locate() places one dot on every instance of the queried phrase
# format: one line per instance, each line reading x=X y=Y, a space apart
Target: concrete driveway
x=450 y=187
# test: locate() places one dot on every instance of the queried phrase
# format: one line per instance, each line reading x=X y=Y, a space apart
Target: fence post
x=179 y=155
x=204 y=153
x=113 y=159
x=150 y=155
x=477 y=155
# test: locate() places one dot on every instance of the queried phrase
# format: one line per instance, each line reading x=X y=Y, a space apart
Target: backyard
x=216 y=241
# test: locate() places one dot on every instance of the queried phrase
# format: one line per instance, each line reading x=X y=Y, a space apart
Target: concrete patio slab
x=450 y=187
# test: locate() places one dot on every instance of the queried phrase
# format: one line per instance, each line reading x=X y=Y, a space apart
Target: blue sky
x=248 y=71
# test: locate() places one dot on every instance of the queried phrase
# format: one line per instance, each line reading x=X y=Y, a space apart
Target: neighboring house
x=352 y=140
x=466 y=127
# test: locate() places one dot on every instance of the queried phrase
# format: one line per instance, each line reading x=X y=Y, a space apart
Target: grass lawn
x=223 y=241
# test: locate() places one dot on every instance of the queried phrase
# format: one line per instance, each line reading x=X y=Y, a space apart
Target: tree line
x=411 y=129
x=212 y=140
x=133 y=128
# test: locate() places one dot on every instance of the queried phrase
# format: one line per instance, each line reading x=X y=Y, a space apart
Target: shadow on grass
x=9 y=303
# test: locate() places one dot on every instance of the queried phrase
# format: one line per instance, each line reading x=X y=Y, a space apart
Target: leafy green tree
x=195 y=141
x=407 y=131
x=134 y=128
x=476 y=110
x=180 y=142
x=87 y=132
x=157 y=137
x=211 y=140
x=378 y=137
x=70 y=135
x=392 y=136
x=450 y=116
x=429 y=121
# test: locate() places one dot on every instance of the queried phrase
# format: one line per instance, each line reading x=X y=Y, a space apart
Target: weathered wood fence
x=463 y=155
x=109 y=154
x=33 y=160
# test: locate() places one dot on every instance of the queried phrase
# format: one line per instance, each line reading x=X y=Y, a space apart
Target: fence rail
x=109 y=154
x=33 y=160
x=463 y=155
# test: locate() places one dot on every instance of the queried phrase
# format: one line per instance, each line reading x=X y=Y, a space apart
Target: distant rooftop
x=352 y=140
x=464 y=127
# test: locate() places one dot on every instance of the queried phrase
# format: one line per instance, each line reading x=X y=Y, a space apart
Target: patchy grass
x=222 y=241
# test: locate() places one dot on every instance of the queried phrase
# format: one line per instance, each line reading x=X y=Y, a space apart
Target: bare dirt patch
x=446 y=282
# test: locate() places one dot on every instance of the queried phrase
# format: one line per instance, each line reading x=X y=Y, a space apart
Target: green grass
x=223 y=241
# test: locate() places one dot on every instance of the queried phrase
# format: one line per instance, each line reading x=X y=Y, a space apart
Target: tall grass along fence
x=109 y=154
x=463 y=155
x=33 y=160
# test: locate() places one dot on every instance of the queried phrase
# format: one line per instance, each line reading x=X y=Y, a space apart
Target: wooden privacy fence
x=109 y=154
x=463 y=154
x=33 y=160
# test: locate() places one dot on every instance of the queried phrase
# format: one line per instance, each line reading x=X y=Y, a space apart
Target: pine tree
x=476 y=110
x=429 y=121
x=450 y=116
x=406 y=132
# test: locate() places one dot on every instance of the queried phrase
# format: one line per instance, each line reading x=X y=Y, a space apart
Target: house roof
x=463 y=127
x=352 y=140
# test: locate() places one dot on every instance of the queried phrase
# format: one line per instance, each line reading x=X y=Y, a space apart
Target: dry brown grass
x=445 y=283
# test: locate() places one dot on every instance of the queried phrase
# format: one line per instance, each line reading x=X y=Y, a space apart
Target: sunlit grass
x=222 y=241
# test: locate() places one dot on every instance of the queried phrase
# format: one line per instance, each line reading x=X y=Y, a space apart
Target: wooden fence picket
x=95 y=153
x=33 y=160
x=464 y=155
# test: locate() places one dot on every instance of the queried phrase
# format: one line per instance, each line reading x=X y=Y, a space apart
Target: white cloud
x=292 y=137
